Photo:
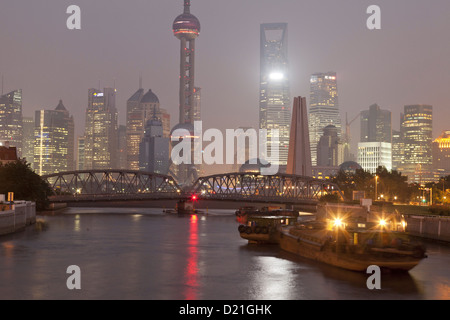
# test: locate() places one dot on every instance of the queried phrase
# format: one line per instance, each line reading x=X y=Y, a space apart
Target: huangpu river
x=142 y=253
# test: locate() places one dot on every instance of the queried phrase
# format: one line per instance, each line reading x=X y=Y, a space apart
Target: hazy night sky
x=406 y=62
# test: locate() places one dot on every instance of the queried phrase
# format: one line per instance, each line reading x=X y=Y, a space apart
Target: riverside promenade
x=17 y=216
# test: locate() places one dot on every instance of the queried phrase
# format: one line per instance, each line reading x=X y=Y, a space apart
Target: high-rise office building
x=101 y=130
x=80 y=153
x=154 y=148
x=140 y=109
x=398 y=150
x=372 y=155
x=330 y=149
x=441 y=154
x=28 y=140
x=323 y=109
x=11 y=126
x=376 y=125
x=274 y=99
x=417 y=131
x=54 y=141
x=122 y=147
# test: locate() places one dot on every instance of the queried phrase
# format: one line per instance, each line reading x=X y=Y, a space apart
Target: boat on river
x=352 y=248
x=262 y=229
x=243 y=214
x=349 y=241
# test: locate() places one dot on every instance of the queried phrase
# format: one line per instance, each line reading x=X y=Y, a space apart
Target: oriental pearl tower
x=186 y=28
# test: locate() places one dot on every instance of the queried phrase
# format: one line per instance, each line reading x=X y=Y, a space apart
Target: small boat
x=262 y=229
x=244 y=213
x=352 y=247
x=186 y=207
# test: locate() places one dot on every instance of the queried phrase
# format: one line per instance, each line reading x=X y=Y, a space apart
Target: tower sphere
x=186 y=26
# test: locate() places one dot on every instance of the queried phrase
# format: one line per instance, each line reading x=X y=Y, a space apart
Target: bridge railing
x=257 y=187
x=112 y=184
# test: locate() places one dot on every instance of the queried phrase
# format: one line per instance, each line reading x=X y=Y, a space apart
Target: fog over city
x=406 y=62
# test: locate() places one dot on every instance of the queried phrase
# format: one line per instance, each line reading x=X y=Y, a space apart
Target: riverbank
x=17 y=216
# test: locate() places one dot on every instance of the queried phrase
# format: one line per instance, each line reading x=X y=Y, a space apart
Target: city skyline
x=403 y=73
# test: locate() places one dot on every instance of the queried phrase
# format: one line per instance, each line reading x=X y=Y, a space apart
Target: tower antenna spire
x=187 y=6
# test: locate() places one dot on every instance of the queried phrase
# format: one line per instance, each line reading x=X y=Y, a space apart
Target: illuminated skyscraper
x=154 y=148
x=398 y=150
x=140 y=109
x=11 y=126
x=54 y=141
x=28 y=140
x=417 y=131
x=80 y=153
x=323 y=109
x=274 y=103
x=441 y=154
x=372 y=155
x=100 y=149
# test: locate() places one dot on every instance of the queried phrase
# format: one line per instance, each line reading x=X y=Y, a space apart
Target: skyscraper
x=80 y=153
x=274 y=100
x=28 y=140
x=154 y=148
x=101 y=130
x=417 y=131
x=122 y=147
x=186 y=27
x=323 y=109
x=140 y=109
x=376 y=125
x=54 y=140
x=11 y=126
x=398 y=150
x=330 y=149
x=441 y=154
x=372 y=155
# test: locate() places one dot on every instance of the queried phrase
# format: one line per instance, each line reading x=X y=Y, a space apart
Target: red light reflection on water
x=191 y=271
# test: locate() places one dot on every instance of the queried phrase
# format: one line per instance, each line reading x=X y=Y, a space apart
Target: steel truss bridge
x=120 y=185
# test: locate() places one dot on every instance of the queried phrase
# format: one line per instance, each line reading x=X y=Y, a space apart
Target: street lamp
x=376 y=185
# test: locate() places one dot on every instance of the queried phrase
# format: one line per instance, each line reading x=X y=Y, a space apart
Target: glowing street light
x=376 y=186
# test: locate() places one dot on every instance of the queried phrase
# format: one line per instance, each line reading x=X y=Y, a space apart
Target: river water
x=128 y=253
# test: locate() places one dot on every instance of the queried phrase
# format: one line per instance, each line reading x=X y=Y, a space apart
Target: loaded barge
x=349 y=240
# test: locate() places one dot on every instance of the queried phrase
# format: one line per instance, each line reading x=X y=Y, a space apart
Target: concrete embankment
x=17 y=216
x=429 y=227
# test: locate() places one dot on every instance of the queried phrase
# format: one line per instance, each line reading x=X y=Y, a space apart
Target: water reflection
x=191 y=271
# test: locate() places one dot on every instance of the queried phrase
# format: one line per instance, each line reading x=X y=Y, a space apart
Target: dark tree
x=18 y=177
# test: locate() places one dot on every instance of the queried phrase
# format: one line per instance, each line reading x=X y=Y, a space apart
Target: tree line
x=392 y=186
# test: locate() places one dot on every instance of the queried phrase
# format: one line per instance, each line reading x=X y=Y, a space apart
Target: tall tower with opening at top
x=186 y=27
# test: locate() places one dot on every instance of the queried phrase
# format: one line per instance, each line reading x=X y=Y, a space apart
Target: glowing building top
x=186 y=25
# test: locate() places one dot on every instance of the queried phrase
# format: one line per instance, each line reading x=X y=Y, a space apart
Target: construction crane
x=347 y=126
